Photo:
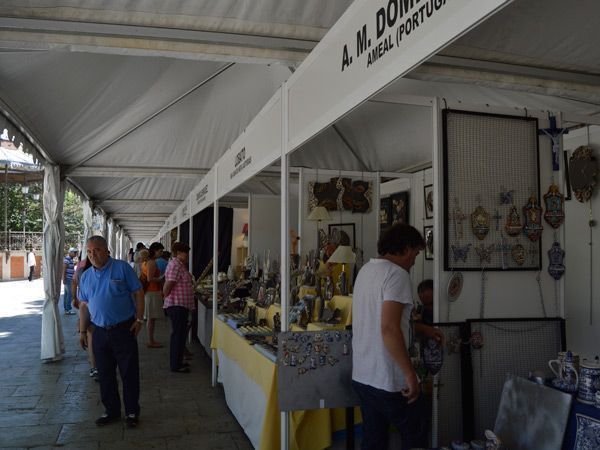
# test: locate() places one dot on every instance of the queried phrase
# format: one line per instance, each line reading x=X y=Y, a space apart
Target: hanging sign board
x=257 y=148
x=372 y=44
x=203 y=195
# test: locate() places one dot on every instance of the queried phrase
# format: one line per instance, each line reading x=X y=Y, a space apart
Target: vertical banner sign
x=203 y=195
x=372 y=44
x=257 y=148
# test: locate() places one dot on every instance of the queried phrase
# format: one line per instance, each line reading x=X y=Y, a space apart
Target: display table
x=592 y=419
x=205 y=325
x=250 y=383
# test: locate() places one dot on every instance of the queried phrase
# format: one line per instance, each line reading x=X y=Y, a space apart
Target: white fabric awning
x=137 y=100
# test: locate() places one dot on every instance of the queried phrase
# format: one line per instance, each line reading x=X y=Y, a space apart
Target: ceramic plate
x=455 y=285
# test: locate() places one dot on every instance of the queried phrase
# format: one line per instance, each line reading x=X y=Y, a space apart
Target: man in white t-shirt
x=382 y=373
x=31 y=263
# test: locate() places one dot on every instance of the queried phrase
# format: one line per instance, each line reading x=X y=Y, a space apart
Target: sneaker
x=105 y=419
x=131 y=421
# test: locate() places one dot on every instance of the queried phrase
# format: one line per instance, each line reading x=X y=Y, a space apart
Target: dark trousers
x=380 y=409
x=178 y=316
x=117 y=347
x=31 y=272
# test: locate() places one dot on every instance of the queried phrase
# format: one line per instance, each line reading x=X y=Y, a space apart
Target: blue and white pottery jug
x=589 y=380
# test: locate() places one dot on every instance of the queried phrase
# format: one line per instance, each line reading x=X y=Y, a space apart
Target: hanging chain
x=591 y=264
x=482 y=299
x=539 y=282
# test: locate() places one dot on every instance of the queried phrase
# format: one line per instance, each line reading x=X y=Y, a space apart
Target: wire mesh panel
x=450 y=404
x=491 y=170
x=511 y=346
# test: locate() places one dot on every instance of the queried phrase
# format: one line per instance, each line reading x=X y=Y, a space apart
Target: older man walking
x=108 y=290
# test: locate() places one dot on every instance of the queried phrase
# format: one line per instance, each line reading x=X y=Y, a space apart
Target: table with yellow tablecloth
x=250 y=383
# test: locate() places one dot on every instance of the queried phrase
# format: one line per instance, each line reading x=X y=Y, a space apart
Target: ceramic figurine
x=484 y=253
x=506 y=197
x=480 y=222
x=493 y=442
x=329 y=289
x=533 y=219
x=556 y=256
x=571 y=377
x=518 y=254
x=460 y=253
x=433 y=356
x=555 y=203
x=476 y=340
x=589 y=381
x=513 y=226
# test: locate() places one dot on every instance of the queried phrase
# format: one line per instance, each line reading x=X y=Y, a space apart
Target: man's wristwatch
x=139 y=320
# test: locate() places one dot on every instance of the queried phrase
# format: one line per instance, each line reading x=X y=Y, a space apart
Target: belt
x=124 y=324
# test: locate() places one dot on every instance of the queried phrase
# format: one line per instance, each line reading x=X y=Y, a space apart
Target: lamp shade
x=319 y=213
x=25 y=189
x=343 y=255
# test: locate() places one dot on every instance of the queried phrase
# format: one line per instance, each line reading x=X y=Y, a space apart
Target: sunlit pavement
x=54 y=405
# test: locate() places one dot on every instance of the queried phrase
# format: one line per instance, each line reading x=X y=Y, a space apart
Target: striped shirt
x=69 y=269
x=182 y=293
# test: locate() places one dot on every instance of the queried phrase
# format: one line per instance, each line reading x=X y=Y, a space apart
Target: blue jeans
x=67 y=296
x=380 y=409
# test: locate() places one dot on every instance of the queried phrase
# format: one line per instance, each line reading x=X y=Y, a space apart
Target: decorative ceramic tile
x=588 y=433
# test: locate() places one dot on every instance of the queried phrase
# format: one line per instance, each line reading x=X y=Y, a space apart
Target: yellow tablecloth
x=309 y=430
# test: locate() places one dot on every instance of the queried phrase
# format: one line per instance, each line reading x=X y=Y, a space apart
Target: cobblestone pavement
x=52 y=405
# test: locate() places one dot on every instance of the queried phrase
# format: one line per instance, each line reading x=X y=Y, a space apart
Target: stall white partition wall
x=582 y=284
x=511 y=293
x=414 y=184
x=265 y=223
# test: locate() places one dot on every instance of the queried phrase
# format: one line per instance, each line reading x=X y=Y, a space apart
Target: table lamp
x=318 y=214
x=343 y=255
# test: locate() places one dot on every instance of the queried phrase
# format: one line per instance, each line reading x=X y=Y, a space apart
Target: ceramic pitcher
x=589 y=381
x=559 y=366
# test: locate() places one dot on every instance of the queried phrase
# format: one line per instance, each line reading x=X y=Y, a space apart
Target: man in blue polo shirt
x=108 y=291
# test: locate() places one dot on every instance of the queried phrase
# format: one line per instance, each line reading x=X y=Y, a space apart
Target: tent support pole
x=6 y=207
x=215 y=302
x=285 y=245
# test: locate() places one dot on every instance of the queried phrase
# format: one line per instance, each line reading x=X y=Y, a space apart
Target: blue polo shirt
x=108 y=292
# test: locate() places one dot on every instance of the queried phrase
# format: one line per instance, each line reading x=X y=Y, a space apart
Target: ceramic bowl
x=477 y=444
x=458 y=445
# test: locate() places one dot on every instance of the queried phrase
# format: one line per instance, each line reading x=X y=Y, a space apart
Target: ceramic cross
x=504 y=248
x=458 y=217
x=497 y=217
x=533 y=252
x=554 y=134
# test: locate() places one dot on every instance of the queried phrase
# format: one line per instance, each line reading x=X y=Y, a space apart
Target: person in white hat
x=67 y=276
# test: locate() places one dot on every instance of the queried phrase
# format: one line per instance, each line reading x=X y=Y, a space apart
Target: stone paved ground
x=44 y=406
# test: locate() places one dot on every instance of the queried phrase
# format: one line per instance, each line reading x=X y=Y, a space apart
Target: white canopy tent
x=157 y=112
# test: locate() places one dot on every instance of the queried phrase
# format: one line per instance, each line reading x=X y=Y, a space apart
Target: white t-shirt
x=379 y=280
x=31 y=259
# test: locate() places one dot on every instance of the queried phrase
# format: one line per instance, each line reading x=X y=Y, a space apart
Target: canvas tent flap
x=52 y=344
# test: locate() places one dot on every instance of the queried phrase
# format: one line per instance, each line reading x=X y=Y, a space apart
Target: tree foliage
x=24 y=210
